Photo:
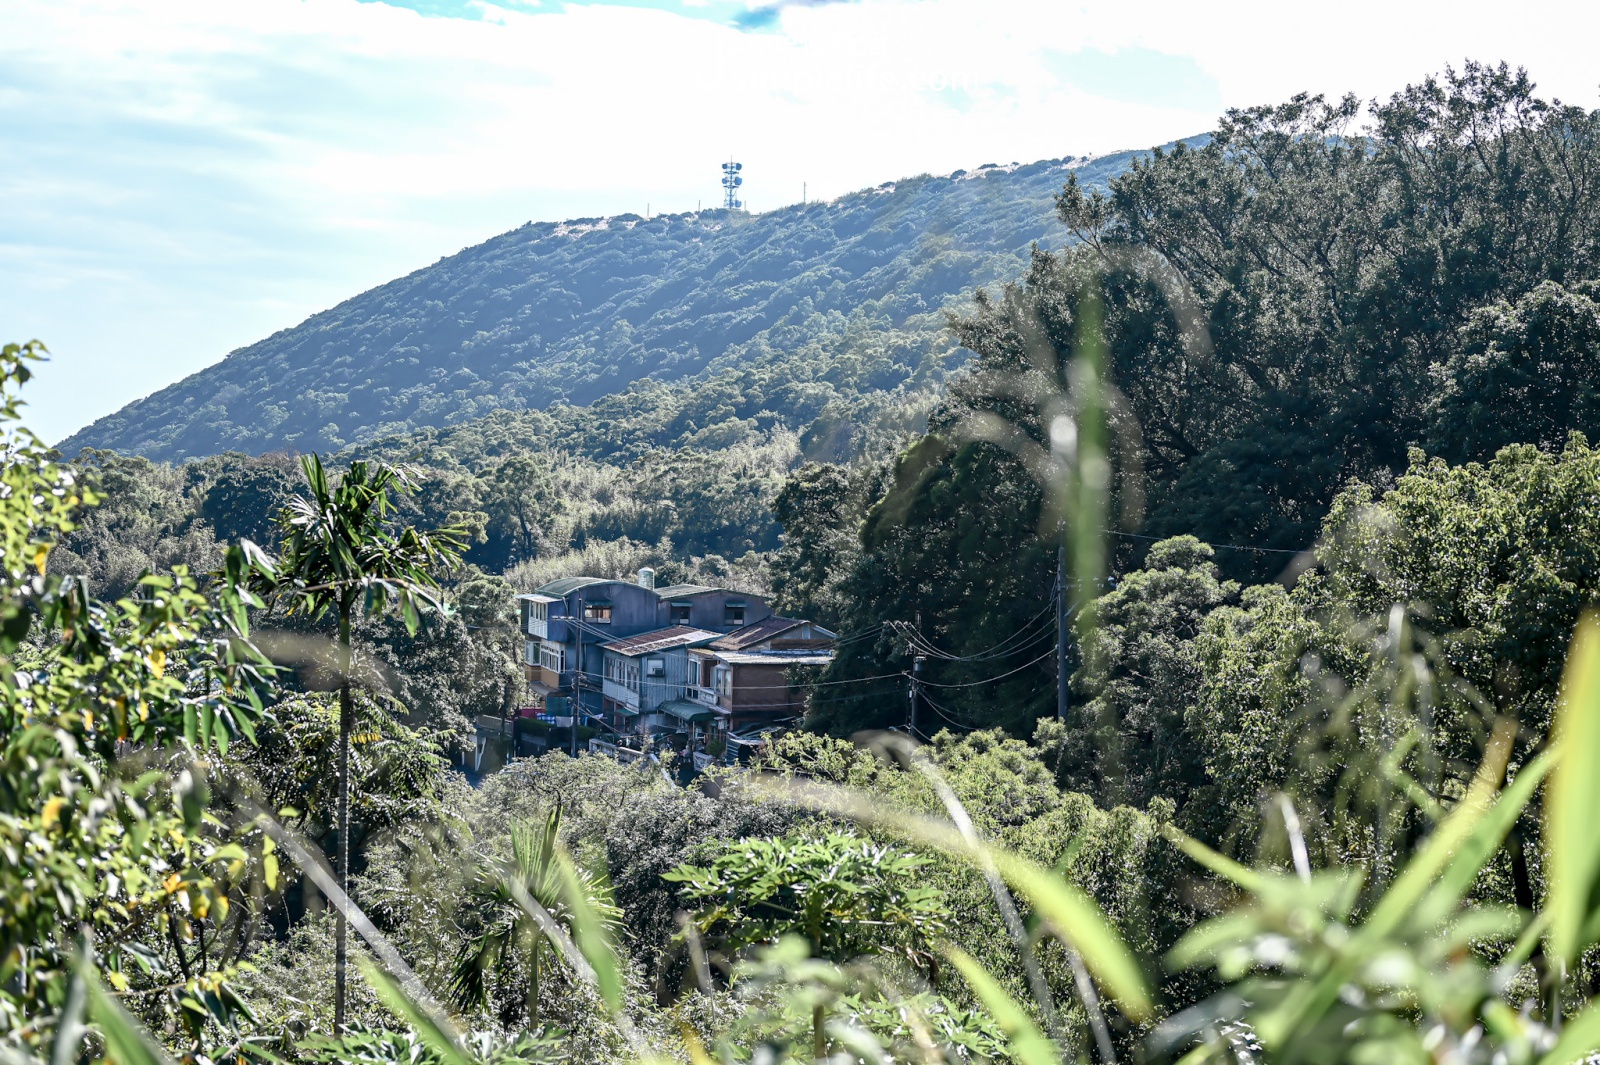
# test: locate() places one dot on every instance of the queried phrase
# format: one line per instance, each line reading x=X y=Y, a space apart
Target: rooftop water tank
x=647 y=577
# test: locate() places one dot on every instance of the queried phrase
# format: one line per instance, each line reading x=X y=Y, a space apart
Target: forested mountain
x=800 y=306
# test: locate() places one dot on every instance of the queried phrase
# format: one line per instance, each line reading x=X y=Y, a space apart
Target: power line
x=991 y=680
x=1219 y=547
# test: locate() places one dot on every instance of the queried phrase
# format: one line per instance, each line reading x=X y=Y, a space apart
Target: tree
x=111 y=874
x=1526 y=373
x=512 y=942
x=1126 y=740
x=340 y=554
x=522 y=496
x=242 y=497
x=821 y=507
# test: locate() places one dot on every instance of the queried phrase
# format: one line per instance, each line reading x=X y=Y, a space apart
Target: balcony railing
x=621 y=693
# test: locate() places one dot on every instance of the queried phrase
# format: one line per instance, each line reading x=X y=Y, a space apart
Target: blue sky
x=183 y=177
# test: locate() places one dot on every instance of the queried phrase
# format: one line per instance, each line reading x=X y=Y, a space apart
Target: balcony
x=621 y=693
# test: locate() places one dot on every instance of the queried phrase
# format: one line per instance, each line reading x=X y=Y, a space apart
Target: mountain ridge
x=575 y=311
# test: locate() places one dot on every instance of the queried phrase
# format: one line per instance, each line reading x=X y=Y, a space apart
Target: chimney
x=647 y=577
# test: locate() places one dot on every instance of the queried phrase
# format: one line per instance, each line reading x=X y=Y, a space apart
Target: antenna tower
x=731 y=180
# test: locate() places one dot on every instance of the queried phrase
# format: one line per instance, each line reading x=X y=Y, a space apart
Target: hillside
x=828 y=300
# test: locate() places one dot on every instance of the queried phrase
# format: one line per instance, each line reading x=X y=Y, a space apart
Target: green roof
x=674 y=590
x=684 y=710
x=568 y=585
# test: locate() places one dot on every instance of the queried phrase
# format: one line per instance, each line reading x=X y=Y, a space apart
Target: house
x=567 y=623
x=645 y=677
x=744 y=677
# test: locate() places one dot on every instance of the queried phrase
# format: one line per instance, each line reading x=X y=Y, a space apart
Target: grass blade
x=420 y=1019
x=589 y=935
x=126 y=1041
x=1579 y=1038
x=1574 y=796
x=1028 y=1044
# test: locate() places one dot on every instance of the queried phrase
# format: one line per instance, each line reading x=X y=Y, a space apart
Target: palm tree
x=341 y=552
x=510 y=933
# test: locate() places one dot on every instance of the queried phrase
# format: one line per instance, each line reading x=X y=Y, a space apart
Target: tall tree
x=342 y=553
x=522 y=492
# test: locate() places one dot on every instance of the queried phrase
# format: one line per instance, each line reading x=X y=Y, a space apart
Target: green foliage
x=1126 y=740
x=1524 y=374
x=106 y=867
x=844 y=895
x=509 y=950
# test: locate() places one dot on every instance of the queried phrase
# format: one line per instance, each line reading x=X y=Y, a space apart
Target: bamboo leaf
x=1574 y=796
x=1028 y=1044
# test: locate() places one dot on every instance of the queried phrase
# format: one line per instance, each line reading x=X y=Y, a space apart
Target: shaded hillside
x=824 y=301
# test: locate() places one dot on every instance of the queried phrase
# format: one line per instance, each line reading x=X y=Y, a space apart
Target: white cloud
x=184 y=176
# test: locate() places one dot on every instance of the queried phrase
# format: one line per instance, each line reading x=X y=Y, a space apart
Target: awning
x=687 y=711
x=543 y=689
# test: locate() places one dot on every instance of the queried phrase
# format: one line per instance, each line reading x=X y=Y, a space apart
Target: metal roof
x=765 y=629
x=776 y=658
x=535 y=597
x=567 y=585
x=659 y=640
x=687 y=711
x=684 y=591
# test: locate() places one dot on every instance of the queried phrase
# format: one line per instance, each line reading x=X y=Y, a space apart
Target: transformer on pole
x=731 y=180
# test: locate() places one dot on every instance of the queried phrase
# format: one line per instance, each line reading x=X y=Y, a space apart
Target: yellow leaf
x=40 y=555
x=51 y=816
x=158 y=662
x=172 y=883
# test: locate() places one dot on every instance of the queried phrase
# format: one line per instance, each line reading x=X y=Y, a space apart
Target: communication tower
x=731 y=180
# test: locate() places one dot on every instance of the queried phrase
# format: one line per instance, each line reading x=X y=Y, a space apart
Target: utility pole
x=1061 y=632
x=916 y=681
x=577 y=679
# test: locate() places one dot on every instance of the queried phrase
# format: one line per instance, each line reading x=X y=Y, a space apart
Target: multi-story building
x=567 y=623
x=745 y=677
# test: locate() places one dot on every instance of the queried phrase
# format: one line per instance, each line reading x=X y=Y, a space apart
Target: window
x=733 y=614
x=599 y=613
x=655 y=667
x=552 y=656
x=624 y=671
x=679 y=614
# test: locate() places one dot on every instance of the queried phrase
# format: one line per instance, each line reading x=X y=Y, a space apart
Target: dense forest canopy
x=1286 y=309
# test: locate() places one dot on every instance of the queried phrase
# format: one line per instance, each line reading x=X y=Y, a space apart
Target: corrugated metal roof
x=535 y=597
x=765 y=629
x=659 y=640
x=686 y=711
x=567 y=585
x=776 y=658
x=683 y=591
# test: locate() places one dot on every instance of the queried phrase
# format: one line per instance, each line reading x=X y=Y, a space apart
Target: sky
x=180 y=178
